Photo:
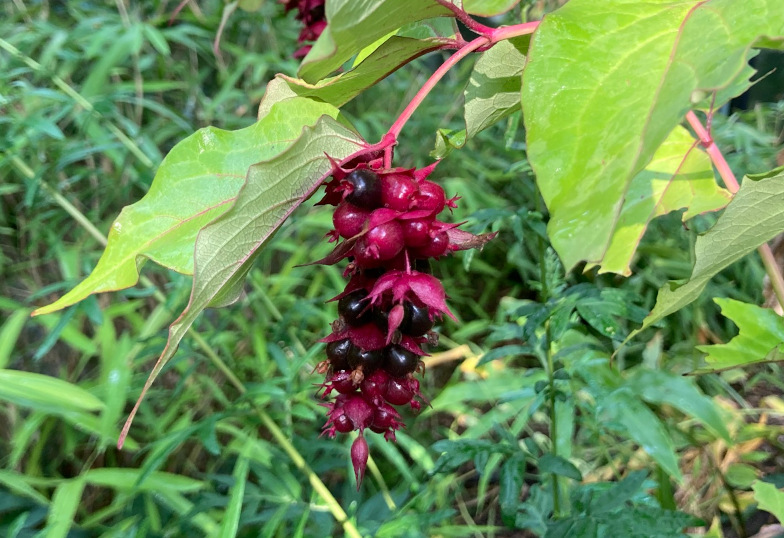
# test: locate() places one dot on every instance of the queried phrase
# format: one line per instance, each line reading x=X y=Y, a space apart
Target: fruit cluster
x=311 y=13
x=386 y=225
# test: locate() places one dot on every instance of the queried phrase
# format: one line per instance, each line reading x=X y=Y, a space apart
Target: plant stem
x=768 y=260
x=332 y=504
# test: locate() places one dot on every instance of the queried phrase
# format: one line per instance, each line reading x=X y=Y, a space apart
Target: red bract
x=311 y=13
x=387 y=219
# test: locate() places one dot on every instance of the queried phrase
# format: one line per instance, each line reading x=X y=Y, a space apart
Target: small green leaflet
x=769 y=498
x=761 y=334
x=226 y=249
x=196 y=183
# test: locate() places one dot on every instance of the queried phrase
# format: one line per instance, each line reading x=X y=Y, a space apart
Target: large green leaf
x=679 y=176
x=493 y=91
x=226 y=249
x=354 y=24
x=761 y=334
x=755 y=215
x=65 y=501
x=606 y=83
x=196 y=182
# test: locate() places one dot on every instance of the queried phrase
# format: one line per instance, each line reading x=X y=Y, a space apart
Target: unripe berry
x=431 y=197
x=399 y=391
x=437 y=247
x=381 y=243
x=416 y=232
x=349 y=219
x=397 y=191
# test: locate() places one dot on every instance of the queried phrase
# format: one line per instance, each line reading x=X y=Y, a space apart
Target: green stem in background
x=81 y=101
x=713 y=151
x=332 y=504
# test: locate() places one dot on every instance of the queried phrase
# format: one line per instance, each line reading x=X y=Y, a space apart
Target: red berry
x=437 y=247
x=431 y=197
x=416 y=232
x=397 y=191
x=399 y=391
x=381 y=243
x=343 y=424
x=349 y=219
x=375 y=385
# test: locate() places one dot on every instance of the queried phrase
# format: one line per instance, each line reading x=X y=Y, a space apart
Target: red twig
x=718 y=160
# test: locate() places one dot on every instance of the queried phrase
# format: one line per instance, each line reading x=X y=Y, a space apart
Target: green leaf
x=488 y=8
x=606 y=83
x=18 y=484
x=626 y=411
x=769 y=498
x=559 y=466
x=61 y=512
x=225 y=250
x=9 y=332
x=617 y=496
x=354 y=24
x=679 y=176
x=128 y=479
x=493 y=91
x=196 y=183
x=231 y=517
x=755 y=215
x=510 y=487
x=660 y=387
x=446 y=141
x=394 y=53
x=45 y=393
x=761 y=331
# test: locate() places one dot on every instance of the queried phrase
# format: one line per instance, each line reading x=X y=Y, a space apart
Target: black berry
x=364 y=190
x=416 y=320
x=354 y=308
x=398 y=361
x=337 y=353
x=368 y=359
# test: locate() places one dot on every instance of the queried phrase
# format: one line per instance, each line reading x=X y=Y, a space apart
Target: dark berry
x=431 y=197
x=397 y=191
x=341 y=382
x=398 y=361
x=399 y=391
x=364 y=189
x=384 y=418
x=354 y=309
x=416 y=232
x=437 y=246
x=349 y=219
x=416 y=320
x=337 y=353
x=368 y=359
x=374 y=386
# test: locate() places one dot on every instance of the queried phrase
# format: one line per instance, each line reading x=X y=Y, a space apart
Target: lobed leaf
x=493 y=91
x=769 y=498
x=755 y=215
x=196 y=183
x=226 y=249
x=761 y=334
x=354 y=24
x=596 y=109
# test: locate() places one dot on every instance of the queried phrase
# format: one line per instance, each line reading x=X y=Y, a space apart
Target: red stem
x=718 y=160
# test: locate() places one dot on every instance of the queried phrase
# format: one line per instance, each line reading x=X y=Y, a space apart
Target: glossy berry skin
x=343 y=424
x=437 y=247
x=399 y=362
x=381 y=243
x=368 y=359
x=397 y=191
x=399 y=391
x=416 y=232
x=337 y=353
x=364 y=189
x=349 y=220
x=416 y=320
x=354 y=309
x=431 y=197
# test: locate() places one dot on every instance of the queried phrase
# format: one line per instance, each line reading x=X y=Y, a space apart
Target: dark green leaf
x=558 y=466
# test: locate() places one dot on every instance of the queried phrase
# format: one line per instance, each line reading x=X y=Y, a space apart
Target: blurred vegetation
x=93 y=95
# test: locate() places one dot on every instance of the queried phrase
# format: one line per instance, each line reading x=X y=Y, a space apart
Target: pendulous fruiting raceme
x=387 y=227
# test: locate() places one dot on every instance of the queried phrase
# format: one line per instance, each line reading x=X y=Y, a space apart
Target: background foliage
x=97 y=95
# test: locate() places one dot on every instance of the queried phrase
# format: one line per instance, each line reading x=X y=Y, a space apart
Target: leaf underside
x=197 y=182
x=225 y=249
